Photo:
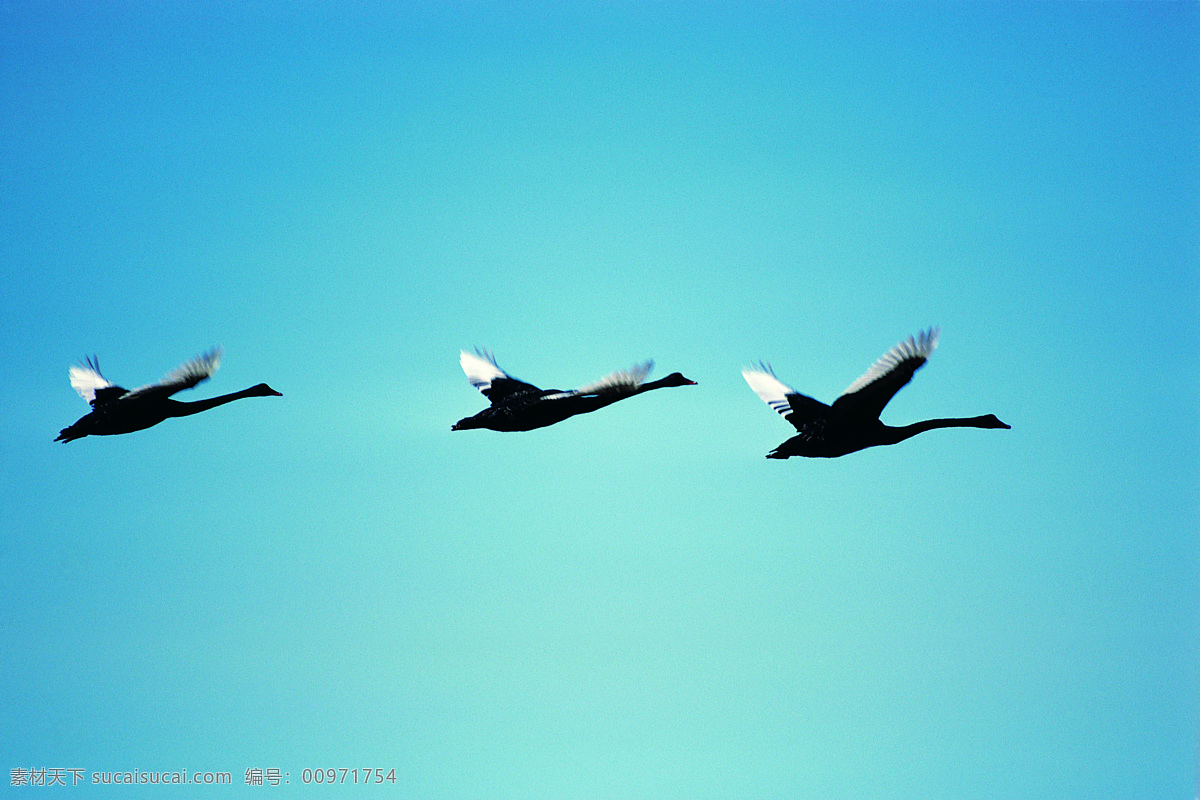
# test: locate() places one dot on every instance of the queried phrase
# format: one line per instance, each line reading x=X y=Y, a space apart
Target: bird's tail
x=69 y=435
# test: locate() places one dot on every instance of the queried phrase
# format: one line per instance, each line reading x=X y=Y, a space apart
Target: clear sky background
x=633 y=603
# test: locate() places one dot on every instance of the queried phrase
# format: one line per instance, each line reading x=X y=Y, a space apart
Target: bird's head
x=677 y=379
x=262 y=390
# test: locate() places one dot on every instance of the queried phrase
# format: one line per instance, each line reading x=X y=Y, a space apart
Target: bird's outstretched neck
x=182 y=409
x=908 y=431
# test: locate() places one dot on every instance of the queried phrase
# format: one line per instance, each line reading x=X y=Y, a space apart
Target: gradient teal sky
x=634 y=603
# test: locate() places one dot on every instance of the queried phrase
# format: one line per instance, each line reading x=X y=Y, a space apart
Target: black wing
x=185 y=376
x=868 y=395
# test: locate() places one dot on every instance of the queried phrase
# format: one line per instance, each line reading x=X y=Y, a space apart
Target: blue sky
x=634 y=603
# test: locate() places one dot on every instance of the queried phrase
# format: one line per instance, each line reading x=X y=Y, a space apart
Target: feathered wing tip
x=621 y=380
x=86 y=378
x=480 y=368
x=485 y=354
x=185 y=376
x=770 y=389
x=762 y=366
x=198 y=369
x=918 y=347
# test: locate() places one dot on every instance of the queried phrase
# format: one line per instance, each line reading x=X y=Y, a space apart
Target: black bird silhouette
x=519 y=406
x=852 y=422
x=116 y=410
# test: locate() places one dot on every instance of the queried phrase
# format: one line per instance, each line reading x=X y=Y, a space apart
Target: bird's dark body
x=823 y=437
x=829 y=431
x=519 y=406
x=523 y=411
x=112 y=419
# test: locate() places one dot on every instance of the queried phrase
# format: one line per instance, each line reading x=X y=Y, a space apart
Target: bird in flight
x=519 y=406
x=116 y=410
x=852 y=422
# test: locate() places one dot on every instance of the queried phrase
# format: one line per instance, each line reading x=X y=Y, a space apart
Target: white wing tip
x=478 y=354
x=85 y=378
x=480 y=368
x=770 y=389
x=761 y=368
